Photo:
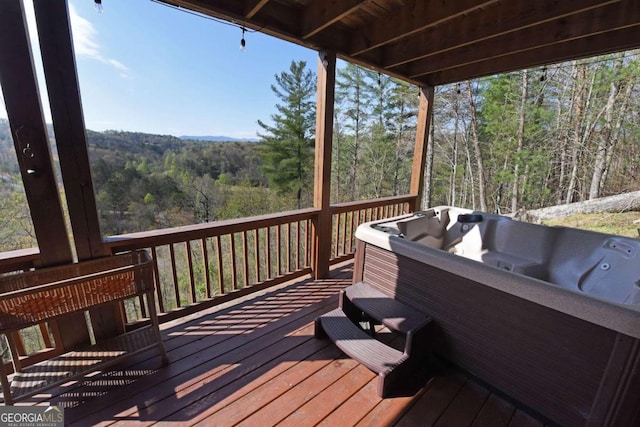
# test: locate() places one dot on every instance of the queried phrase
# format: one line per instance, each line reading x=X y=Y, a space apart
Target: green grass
x=623 y=224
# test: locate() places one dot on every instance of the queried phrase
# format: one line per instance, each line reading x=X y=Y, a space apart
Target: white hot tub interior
x=600 y=265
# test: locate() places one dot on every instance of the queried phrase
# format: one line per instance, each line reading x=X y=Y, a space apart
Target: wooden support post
x=56 y=45
x=321 y=246
x=419 y=153
x=68 y=123
x=22 y=101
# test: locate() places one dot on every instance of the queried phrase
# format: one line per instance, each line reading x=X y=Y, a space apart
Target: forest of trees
x=539 y=137
x=522 y=140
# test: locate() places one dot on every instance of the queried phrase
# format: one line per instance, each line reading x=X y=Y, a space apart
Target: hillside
x=118 y=147
x=145 y=181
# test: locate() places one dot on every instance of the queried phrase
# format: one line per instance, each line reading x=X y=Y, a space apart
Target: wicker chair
x=33 y=297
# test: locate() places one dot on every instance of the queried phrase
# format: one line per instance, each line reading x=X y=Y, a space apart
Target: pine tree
x=287 y=146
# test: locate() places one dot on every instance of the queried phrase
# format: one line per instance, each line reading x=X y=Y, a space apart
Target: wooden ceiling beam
x=551 y=33
x=321 y=14
x=224 y=9
x=494 y=21
x=253 y=6
x=597 y=44
x=274 y=19
x=411 y=31
x=413 y=17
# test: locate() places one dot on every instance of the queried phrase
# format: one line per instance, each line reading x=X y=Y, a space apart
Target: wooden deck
x=256 y=363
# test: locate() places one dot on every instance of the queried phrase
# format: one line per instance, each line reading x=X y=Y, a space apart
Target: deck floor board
x=256 y=362
x=431 y=405
x=496 y=412
x=465 y=406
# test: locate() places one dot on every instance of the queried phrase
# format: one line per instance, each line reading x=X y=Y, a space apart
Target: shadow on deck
x=256 y=362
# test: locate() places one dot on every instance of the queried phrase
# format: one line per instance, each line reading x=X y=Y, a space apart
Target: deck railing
x=199 y=266
x=206 y=264
x=19 y=260
x=346 y=217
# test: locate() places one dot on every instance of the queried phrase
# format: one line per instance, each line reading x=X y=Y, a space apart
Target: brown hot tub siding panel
x=618 y=401
x=436 y=287
x=518 y=346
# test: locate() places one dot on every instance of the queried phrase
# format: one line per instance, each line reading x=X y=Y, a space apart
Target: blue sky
x=146 y=67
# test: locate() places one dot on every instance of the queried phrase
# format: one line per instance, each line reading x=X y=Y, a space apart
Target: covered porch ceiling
x=435 y=42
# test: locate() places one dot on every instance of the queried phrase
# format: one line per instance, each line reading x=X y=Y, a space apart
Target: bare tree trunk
x=525 y=176
x=605 y=140
x=476 y=148
x=472 y=183
x=501 y=186
x=454 y=160
x=563 y=136
x=581 y=72
x=618 y=203
x=356 y=148
x=337 y=144
x=520 y=146
x=454 y=154
x=616 y=130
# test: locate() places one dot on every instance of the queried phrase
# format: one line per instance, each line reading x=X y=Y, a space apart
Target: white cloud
x=85 y=44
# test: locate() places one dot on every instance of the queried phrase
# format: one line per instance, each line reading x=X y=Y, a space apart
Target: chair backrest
x=31 y=297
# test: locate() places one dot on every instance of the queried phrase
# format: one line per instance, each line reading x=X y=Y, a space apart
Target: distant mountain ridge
x=217 y=138
x=6 y=132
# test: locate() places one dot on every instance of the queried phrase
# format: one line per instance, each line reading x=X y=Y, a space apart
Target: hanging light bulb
x=98 y=4
x=243 y=43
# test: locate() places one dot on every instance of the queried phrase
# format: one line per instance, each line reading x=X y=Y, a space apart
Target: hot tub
x=548 y=315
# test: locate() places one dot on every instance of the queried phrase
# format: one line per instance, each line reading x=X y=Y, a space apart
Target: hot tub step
x=391 y=313
x=389 y=363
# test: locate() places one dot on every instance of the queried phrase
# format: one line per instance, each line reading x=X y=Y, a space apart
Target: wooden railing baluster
x=205 y=262
x=351 y=232
x=232 y=254
x=288 y=231
x=279 y=250
x=156 y=273
x=337 y=232
x=192 y=285
x=307 y=249
x=299 y=227
x=220 y=268
x=267 y=242
x=245 y=258
x=257 y=252
x=175 y=274
x=344 y=233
